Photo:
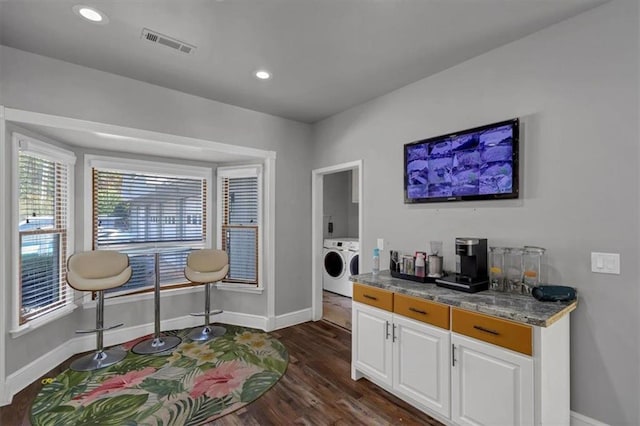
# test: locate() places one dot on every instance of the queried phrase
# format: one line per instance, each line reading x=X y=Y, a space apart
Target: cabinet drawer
x=373 y=296
x=508 y=334
x=422 y=310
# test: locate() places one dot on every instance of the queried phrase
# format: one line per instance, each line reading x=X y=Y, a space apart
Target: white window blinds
x=44 y=185
x=240 y=222
x=137 y=210
x=144 y=208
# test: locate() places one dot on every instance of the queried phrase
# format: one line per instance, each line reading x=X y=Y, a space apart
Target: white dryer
x=340 y=260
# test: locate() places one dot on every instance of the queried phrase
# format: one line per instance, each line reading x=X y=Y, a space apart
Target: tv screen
x=474 y=164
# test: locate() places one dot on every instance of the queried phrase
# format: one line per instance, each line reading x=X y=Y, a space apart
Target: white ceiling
x=325 y=55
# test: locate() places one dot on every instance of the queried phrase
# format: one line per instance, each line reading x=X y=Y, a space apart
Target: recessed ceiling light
x=263 y=75
x=90 y=14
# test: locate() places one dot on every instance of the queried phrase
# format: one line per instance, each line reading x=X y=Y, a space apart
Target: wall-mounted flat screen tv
x=474 y=164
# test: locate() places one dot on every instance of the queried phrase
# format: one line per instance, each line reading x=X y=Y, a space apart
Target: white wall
x=352 y=208
x=338 y=205
x=336 y=196
x=36 y=83
x=575 y=86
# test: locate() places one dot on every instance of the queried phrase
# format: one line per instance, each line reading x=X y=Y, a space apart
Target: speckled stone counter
x=515 y=307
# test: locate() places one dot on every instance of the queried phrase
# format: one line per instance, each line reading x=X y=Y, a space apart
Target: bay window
x=141 y=208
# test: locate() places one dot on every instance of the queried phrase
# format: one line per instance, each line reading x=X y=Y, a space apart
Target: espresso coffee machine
x=473 y=276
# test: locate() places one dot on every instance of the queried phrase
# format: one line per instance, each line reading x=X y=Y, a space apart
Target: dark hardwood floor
x=17 y=414
x=316 y=390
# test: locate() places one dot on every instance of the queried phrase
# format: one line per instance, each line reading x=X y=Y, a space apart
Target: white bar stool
x=207 y=266
x=98 y=271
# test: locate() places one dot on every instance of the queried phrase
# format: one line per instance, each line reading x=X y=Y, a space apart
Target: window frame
x=49 y=152
x=128 y=165
x=240 y=171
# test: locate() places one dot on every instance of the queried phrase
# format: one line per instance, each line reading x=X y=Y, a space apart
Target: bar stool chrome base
x=98 y=360
x=156 y=345
x=201 y=334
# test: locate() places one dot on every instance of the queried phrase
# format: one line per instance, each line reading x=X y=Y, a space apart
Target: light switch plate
x=605 y=263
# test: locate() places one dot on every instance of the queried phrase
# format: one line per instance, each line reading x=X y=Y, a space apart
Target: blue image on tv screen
x=475 y=163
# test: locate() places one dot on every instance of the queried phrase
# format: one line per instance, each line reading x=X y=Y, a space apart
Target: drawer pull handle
x=486 y=330
x=417 y=311
x=370 y=297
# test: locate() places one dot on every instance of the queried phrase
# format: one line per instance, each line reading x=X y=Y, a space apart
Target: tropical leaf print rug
x=195 y=383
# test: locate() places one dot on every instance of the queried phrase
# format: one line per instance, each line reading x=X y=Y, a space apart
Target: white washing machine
x=340 y=260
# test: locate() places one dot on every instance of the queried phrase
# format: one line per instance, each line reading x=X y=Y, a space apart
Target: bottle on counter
x=420 y=265
x=376 y=261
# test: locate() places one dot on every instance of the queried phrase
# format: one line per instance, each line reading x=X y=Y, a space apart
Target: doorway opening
x=337 y=215
x=336 y=309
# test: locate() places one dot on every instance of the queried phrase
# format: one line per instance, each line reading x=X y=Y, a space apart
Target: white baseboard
x=578 y=419
x=244 y=320
x=293 y=318
x=31 y=372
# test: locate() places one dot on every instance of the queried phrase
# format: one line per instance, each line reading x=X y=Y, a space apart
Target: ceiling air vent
x=156 y=37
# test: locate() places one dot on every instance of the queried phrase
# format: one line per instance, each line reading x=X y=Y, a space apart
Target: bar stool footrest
x=99 y=329
x=201 y=314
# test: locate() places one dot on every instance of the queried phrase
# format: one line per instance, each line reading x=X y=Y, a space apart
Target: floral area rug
x=195 y=383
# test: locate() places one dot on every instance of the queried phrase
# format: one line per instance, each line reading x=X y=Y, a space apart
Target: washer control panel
x=350 y=244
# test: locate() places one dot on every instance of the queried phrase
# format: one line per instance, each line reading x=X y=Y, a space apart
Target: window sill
x=39 y=322
x=240 y=288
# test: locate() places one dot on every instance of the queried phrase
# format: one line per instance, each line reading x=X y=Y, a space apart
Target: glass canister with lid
x=532 y=267
x=496 y=268
x=513 y=269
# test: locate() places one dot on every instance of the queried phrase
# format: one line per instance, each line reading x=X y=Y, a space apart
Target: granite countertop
x=515 y=307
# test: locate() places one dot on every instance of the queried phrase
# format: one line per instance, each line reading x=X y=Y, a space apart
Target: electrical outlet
x=381 y=243
x=605 y=263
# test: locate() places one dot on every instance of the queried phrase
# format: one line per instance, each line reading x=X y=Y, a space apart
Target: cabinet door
x=371 y=341
x=490 y=385
x=421 y=356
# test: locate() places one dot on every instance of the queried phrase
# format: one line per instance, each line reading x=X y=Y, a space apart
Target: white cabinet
x=410 y=358
x=372 y=342
x=460 y=366
x=490 y=385
x=421 y=363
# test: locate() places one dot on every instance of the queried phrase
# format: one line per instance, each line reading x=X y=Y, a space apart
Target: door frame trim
x=317 y=187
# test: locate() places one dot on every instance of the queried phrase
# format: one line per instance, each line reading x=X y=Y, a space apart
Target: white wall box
x=461 y=367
